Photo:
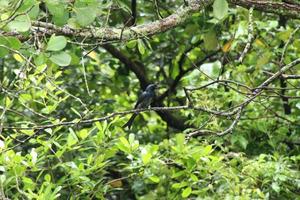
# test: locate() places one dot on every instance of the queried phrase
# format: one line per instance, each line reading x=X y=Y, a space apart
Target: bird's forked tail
x=130 y=121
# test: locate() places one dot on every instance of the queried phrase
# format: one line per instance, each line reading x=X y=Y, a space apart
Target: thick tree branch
x=114 y=34
x=159 y=26
x=282 y=8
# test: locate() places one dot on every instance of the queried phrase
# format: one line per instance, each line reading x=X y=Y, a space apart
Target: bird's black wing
x=141 y=98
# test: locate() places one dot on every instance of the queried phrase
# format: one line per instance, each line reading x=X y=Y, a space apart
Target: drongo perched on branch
x=143 y=101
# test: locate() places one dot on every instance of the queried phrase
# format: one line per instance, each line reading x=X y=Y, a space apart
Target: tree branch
x=159 y=26
x=282 y=8
x=121 y=113
x=114 y=34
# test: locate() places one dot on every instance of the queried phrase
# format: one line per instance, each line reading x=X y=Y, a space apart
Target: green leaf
x=28 y=183
x=20 y=24
x=264 y=59
x=56 y=43
x=83 y=133
x=195 y=39
x=61 y=58
x=47 y=178
x=210 y=40
x=72 y=23
x=26 y=5
x=131 y=44
x=284 y=35
x=59 y=12
x=14 y=43
x=141 y=46
x=3 y=51
x=25 y=97
x=131 y=138
x=76 y=112
x=178 y=174
x=154 y=179
x=220 y=9
x=190 y=164
x=180 y=140
x=174 y=70
x=40 y=60
x=179 y=185
x=124 y=145
x=34 y=12
x=298 y=105
x=146 y=156
x=72 y=138
x=123 y=148
x=194 y=178
x=100 y=133
x=49 y=109
x=8 y=102
x=28 y=132
x=85 y=16
x=186 y=192
x=125 y=142
x=207 y=150
x=275 y=187
x=243 y=141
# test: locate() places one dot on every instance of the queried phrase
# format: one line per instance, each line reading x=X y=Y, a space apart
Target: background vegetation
x=224 y=124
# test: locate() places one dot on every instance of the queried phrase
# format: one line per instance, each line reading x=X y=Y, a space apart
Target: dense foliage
x=225 y=122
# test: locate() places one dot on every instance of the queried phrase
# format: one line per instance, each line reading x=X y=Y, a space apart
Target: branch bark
x=282 y=8
x=179 y=17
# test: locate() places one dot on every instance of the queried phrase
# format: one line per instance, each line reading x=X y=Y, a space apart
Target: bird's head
x=151 y=87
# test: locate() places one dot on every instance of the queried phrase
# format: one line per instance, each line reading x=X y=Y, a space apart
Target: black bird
x=143 y=101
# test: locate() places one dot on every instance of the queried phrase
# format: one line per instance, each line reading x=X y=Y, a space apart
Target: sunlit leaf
x=220 y=9
x=72 y=138
x=56 y=43
x=141 y=46
x=186 y=192
x=154 y=179
x=20 y=24
x=146 y=156
x=131 y=44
